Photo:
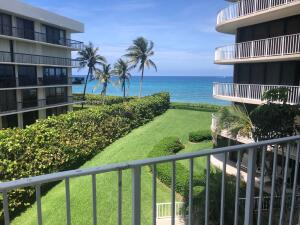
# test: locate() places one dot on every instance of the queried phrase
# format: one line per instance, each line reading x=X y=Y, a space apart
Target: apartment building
x=35 y=63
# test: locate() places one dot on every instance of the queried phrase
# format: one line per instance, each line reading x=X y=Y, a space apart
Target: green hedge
x=169 y=146
x=67 y=141
x=93 y=99
x=200 y=135
x=195 y=106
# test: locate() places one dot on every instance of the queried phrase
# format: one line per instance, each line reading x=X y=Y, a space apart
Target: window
x=55 y=75
x=27 y=75
x=25 y=29
x=30 y=118
x=5 y=24
x=29 y=98
x=56 y=95
x=55 y=35
x=10 y=121
x=7 y=76
x=8 y=100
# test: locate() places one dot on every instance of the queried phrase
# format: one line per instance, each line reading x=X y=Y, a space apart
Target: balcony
x=33 y=105
x=32 y=36
x=36 y=60
x=280 y=48
x=248 y=12
x=255 y=206
x=252 y=93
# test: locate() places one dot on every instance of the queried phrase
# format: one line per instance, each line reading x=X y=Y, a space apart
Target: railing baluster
x=273 y=185
x=283 y=198
x=68 y=208
x=173 y=193
x=223 y=190
x=154 y=172
x=207 y=191
x=94 y=200
x=120 y=197
x=5 y=208
x=191 y=178
x=237 y=189
x=261 y=188
x=250 y=186
x=136 y=195
x=295 y=183
x=39 y=204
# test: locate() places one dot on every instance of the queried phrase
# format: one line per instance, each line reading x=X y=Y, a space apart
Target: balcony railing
x=287 y=45
x=40 y=37
x=248 y=7
x=252 y=93
x=22 y=58
x=248 y=211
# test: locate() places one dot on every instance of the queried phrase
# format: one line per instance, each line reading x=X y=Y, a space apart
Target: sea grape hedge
x=170 y=146
x=65 y=142
x=200 y=135
x=93 y=99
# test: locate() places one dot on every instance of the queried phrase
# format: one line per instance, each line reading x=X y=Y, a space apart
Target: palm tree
x=89 y=57
x=122 y=69
x=104 y=77
x=139 y=55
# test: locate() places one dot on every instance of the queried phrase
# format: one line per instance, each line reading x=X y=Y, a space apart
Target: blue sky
x=183 y=30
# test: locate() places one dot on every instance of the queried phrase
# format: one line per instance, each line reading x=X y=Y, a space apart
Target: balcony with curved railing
x=249 y=12
x=285 y=47
x=31 y=35
x=41 y=60
x=252 y=93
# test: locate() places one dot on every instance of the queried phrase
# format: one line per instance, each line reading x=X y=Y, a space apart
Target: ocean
x=181 y=88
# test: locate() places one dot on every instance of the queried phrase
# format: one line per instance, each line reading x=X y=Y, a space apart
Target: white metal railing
x=253 y=92
x=276 y=46
x=164 y=210
x=247 y=210
x=248 y=7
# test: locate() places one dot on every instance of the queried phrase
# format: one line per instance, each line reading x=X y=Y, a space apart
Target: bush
x=93 y=99
x=67 y=141
x=170 y=146
x=195 y=106
x=200 y=135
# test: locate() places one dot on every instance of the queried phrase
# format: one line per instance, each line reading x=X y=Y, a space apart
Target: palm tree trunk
x=85 y=85
x=124 y=89
x=141 y=83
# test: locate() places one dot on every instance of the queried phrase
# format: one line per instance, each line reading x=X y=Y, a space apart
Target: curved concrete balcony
x=280 y=48
x=248 y=12
x=251 y=93
x=36 y=60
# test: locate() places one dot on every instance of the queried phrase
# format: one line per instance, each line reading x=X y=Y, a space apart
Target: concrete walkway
x=168 y=221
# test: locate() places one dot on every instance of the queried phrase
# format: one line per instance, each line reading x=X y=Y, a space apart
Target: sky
x=183 y=31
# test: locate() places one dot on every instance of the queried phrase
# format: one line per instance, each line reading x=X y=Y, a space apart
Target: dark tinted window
x=55 y=75
x=5 y=24
x=29 y=118
x=27 y=75
x=29 y=98
x=7 y=76
x=55 y=35
x=10 y=121
x=8 y=100
x=25 y=28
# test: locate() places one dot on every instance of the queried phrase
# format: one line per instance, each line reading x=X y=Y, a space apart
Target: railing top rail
x=262 y=85
x=39 y=180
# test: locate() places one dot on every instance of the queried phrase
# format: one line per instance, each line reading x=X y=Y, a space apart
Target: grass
x=136 y=145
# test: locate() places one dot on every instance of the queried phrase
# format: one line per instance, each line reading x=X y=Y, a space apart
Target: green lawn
x=136 y=145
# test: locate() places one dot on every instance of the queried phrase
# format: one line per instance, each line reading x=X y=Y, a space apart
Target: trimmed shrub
x=93 y=99
x=195 y=106
x=170 y=146
x=200 y=135
x=67 y=141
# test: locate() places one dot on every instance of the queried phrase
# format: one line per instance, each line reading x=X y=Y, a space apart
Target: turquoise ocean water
x=182 y=88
